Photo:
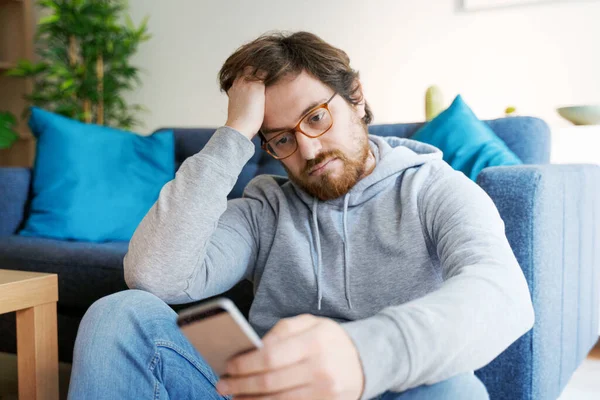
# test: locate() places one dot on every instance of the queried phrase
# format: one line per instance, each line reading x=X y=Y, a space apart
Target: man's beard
x=326 y=187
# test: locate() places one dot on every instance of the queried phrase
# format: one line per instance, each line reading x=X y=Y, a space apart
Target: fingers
x=249 y=73
x=284 y=345
x=247 y=76
x=261 y=74
x=246 y=108
x=245 y=73
x=303 y=358
x=298 y=374
x=290 y=326
x=277 y=355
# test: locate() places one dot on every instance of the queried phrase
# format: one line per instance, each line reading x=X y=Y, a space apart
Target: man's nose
x=308 y=147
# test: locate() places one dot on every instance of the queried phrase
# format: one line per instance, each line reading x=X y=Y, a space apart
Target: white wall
x=535 y=57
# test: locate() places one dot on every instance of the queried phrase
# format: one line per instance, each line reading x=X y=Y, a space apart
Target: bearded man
x=378 y=270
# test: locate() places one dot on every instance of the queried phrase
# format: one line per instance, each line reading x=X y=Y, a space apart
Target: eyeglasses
x=313 y=124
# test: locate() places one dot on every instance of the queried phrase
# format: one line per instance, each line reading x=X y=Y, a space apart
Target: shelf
x=17 y=28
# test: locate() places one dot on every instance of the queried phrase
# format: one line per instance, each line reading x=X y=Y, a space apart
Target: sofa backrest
x=527 y=137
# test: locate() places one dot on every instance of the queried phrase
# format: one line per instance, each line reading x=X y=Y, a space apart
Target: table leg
x=37 y=352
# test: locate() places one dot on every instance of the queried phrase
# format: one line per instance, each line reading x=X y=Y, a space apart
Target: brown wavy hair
x=279 y=54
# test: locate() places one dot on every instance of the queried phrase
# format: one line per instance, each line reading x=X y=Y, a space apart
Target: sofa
x=551 y=214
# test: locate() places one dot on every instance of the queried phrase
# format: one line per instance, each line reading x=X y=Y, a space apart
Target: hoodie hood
x=393 y=156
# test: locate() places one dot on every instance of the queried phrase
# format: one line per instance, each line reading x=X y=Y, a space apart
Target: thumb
x=290 y=327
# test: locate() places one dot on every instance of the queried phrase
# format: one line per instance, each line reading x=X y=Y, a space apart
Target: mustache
x=310 y=164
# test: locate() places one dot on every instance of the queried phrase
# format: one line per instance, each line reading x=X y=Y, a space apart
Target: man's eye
x=317 y=117
x=282 y=141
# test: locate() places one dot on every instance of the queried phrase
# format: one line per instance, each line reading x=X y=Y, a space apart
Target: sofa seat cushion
x=86 y=271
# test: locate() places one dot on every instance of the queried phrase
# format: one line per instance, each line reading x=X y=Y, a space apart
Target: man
x=378 y=271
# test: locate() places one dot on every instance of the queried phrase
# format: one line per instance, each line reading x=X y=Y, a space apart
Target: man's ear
x=358 y=96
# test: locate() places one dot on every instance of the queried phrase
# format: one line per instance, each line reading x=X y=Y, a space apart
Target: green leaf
x=7 y=120
x=49 y=4
x=78 y=4
x=68 y=84
x=8 y=136
x=23 y=68
x=49 y=19
x=129 y=22
x=140 y=108
x=144 y=25
x=7 y=139
x=68 y=110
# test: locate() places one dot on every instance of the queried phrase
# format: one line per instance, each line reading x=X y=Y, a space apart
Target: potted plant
x=84 y=66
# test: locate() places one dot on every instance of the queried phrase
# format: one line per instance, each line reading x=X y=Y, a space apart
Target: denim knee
x=129 y=346
x=121 y=313
x=122 y=302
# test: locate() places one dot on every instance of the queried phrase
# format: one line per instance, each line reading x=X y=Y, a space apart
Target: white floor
x=585 y=384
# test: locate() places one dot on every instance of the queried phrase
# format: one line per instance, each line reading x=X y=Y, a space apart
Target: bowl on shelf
x=581 y=115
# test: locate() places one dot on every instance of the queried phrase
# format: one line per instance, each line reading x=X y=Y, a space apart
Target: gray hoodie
x=413 y=262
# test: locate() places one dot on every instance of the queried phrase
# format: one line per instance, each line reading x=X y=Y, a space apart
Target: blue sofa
x=551 y=214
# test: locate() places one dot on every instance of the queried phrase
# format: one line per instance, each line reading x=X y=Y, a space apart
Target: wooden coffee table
x=33 y=296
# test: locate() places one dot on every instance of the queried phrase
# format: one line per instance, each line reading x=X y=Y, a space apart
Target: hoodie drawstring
x=346 y=251
x=318 y=248
x=318 y=266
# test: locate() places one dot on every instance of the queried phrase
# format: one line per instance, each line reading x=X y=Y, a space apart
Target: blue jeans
x=129 y=347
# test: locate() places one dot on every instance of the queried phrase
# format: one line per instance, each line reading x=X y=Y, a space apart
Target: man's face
x=326 y=167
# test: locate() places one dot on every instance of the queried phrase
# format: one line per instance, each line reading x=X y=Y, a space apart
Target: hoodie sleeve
x=482 y=307
x=193 y=243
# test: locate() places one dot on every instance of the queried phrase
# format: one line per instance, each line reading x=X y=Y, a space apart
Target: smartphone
x=219 y=331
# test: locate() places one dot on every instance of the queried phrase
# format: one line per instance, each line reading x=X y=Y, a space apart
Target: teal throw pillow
x=91 y=182
x=468 y=144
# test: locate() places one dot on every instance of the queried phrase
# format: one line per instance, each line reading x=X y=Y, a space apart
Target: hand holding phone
x=219 y=331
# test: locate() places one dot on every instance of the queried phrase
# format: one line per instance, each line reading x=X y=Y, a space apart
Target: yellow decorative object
x=434 y=102
x=510 y=111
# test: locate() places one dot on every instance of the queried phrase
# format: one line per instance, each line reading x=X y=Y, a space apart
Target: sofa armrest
x=14 y=191
x=552 y=219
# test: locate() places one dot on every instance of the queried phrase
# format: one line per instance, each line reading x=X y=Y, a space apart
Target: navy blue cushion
x=86 y=271
x=14 y=190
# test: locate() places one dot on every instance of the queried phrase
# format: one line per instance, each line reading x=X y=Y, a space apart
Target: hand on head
x=246 y=109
